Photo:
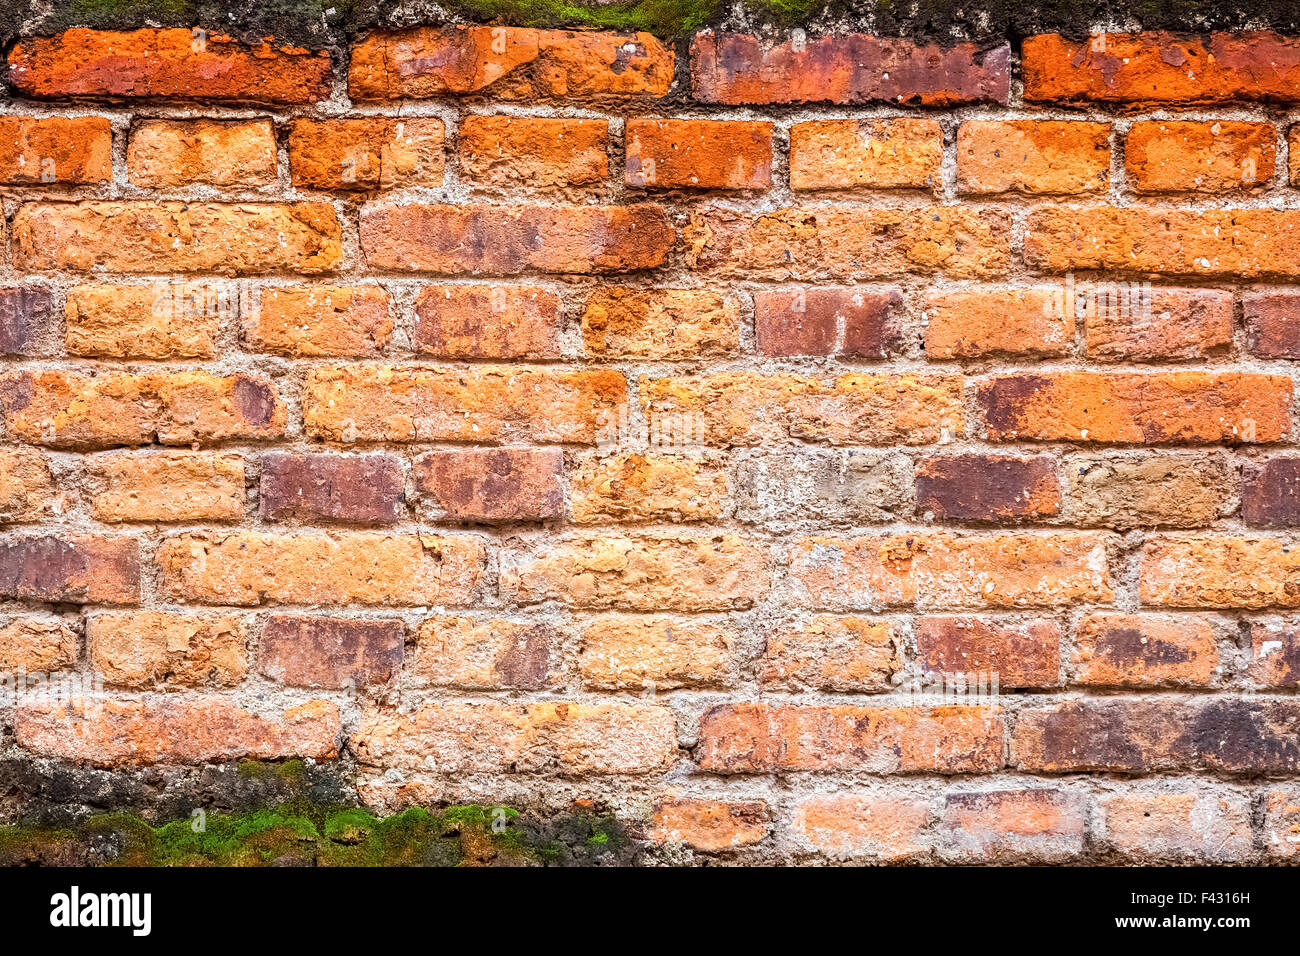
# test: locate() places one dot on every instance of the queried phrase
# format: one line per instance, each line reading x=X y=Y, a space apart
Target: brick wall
x=525 y=416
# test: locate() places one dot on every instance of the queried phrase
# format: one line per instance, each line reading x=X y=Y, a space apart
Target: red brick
x=997 y=488
x=1270 y=494
x=871 y=154
x=1130 y=650
x=1121 y=735
x=507 y=240
x=330 y=652
x=55 y=149
x=1161 y=68
x=698 y=154
x=1204 y=156
x=996 y=826
x=173 y=63
x=169 y=153
x=361 y=153
x=758 y=738
x=507 y=484
x=1191 y=407
x=535 y=152
x=1018 y=654
x=1272 y=324
x=1037 y=157
x=157 y=321
x=508 y=63
x=362 y=488
x=1282 y=823
x=481 y=321
x=848 y=322
x=70 y=569
x=846 y=68
x=711 y=825
x=635 y=487
x=1133 y=322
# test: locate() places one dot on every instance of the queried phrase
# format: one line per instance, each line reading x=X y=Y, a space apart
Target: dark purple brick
x=1270 y=495
x=330 y=652
x=987 y=488
x=507 y=484
x=26 y=321
x=808 y=322
x=326 y=487
x=1273 y=324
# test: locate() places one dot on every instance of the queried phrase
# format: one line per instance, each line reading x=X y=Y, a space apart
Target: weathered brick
x=758 y=738
x=942 y=570
x=27 y=488
x=1162 y=156
x=47 y=150
x=157 y=321
x=154 y=649
x=1129 y=322
x=996 y=488
x=166 y=237
x=1131 y=650
x=655 y=653
x=1219 y=570
x=1122 y=735
x=480 y=321
x=711 y=825
x=976 y=323
x=848 y=242
x=175 y=63
x=749 y=408
x=509 y=63
x=310 y=321
x=168 y=153
x=36 y=646
x=330 y=652
x=250 y=567
x=993 y=826
x=174 y=730
x=490 y=654
x=27 y=321
x=846 y=825
x=1272 y=324
x=326 y=487
x=70 y=569
x=870 y=154
x=809 y=484
x=739 y=68
x=1037 y=157
x=364 y=153
x=1270 y=494
x=1018 y=654
x=1282 y=823
x=1274 y=654
x=505 y=484
x=1131 y=408
x=1201 y=825
x=835 y=654
x=648 y=487
x=1155 y=67
x=698 y=154
x=508 y=240
x=166 y=486
x=1150 y=490
x=481 y=404
x=660 y=323
x=645 y=572
x=1240 y=735
x=71 y=410
x=1237 y=243
x=534 y=152
x=848 y=322
x=552 y=737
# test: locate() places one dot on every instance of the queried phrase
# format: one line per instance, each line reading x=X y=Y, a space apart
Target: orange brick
x=976 y=323
x=758 y=738
x=158 y=321
x=508 y=63
x=481 y=404
x=481 y=321
x=1130 y=650
x=507 y=152
x=995 y=826
x=247 y=568
x=155 y=649
x=507 y=240
x=1282 y=823
x=179 y=63
x=1274 y=655
x=749 y=408
x=1133 y=322
x=37 y=646
x=645 y=572
x=698 y=154
x=1016 y=654
x=1038 y=157
x=499 y=737
x=711 y=825
x=167 y=486
x=637 y=487
x=166 y=237
x=309 y=321
x=847 y=825
x=871 y=154
x=366 y=153
x=1219 y=571
x=174 y=730
x=1189 y=407
x=1162 y=156
x=70 y=410
x=490 y=654
x=656 y=653
x=660 y=323
x=27 y=488
x=166 y=153
x=55 y=149
x=1205 y=825
x=835 y=654
x=847 y=242
x=944 y=570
